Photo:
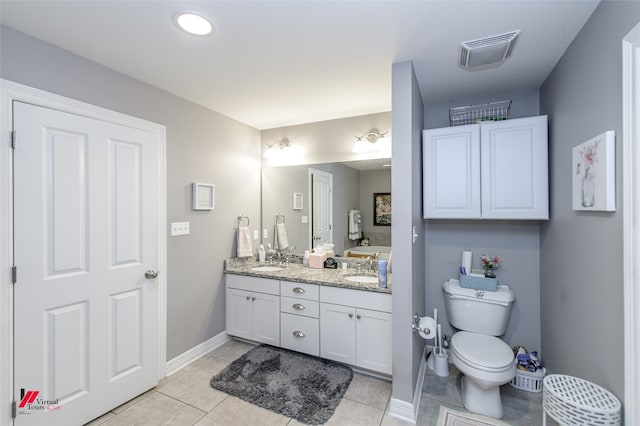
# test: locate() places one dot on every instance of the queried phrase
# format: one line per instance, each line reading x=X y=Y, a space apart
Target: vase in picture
x=588 y=188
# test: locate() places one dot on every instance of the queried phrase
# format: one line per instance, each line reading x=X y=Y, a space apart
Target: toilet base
x=485 y=401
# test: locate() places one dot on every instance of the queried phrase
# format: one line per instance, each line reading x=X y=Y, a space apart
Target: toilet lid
x=482 y=350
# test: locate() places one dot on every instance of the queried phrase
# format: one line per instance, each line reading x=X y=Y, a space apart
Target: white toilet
x=486 y=361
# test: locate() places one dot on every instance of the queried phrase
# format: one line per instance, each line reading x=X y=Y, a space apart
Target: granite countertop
x=298 y=273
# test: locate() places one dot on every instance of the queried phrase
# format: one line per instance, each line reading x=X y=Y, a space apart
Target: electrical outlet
x=179 y=228
x=265 y=233
x=255 y=235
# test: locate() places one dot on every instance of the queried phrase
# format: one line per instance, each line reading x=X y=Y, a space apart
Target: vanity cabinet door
x=373 y=340
x=239 y=313
x=266 y=319
x=338 y=333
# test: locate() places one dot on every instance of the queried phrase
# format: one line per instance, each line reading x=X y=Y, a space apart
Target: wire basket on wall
x=492 y=111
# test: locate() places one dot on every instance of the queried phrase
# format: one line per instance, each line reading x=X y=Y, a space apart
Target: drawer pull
x=298 y=306
x=298 y=290
x=298 y=333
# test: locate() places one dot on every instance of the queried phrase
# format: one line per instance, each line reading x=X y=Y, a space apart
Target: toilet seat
x=482 y=352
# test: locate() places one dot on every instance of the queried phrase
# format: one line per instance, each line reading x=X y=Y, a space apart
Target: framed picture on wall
x=594 y=174
x=382 y=209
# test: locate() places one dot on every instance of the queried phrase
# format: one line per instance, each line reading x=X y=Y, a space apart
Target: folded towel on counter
x=280 y=239
x=354 y=228
x=244 y=248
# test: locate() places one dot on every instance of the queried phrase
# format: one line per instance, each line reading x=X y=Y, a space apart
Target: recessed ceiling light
x=194 y=23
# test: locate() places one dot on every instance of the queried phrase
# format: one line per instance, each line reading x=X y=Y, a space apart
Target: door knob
x=151 y=274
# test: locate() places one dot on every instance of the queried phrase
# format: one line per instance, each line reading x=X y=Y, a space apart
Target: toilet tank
x=484 y=312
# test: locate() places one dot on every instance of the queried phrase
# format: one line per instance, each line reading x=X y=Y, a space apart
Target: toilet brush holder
x=441 y=362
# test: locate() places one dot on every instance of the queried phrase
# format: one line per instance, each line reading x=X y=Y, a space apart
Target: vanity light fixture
x=194 y=23
x=373 y=140
x=277 y=149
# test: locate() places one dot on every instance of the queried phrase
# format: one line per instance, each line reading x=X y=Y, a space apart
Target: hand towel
x=355 y=232
x=280 y=239
x=244 y=248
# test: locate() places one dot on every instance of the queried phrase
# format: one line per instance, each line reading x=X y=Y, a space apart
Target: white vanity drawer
x=300 y=290
x=297 y=306
x=300 y=333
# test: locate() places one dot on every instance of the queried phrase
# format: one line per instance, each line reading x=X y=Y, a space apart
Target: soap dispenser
x=261 y=254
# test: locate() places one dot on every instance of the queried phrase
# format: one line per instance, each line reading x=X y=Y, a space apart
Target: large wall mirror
x=314 y=202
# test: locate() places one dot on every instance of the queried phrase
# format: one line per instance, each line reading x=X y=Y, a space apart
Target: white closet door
x=86 y=221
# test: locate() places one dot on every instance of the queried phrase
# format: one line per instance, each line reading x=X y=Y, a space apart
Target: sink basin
x=267 y=268
x=362 y=279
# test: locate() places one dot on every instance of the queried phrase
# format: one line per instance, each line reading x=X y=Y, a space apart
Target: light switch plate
x=305 y=219
x=255 y=235
x=265 y=233
x=179 y=228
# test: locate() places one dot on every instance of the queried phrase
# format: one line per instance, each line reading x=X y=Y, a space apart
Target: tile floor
x=185 y=398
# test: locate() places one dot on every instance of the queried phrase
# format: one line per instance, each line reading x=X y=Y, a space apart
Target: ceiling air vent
x=488 y=50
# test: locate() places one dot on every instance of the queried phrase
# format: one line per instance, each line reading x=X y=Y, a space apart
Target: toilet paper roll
x=427 y=327
x=465 y=261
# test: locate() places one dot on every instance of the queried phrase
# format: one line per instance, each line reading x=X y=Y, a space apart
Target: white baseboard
x=405 y=410
x=195 y=353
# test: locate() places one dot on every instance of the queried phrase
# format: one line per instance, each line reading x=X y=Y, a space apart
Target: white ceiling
x=279 y=63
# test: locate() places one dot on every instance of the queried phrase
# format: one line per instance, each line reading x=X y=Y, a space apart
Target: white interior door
x=322 y=207
x=86 y=215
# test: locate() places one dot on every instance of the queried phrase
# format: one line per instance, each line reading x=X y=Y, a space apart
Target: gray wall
x=581 y=252
x=409 y=255
x=198 y=142
x=372 y=181
x=516 y=242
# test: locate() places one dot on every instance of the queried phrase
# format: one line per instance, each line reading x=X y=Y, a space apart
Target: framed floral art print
x=593 y=174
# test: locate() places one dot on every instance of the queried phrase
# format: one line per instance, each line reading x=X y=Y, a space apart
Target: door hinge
x=13 y=139
x=14 y=274
x=14 y=409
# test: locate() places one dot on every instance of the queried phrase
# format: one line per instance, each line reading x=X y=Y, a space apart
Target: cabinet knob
x=248 y=298
x=298 y=333
x=358 y=316
x=298 y=306
x=298 y=290
x=253 y=298
x=350 y=315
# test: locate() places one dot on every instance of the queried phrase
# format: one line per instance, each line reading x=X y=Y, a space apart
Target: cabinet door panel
x=514 y=169
x=451 y=172
x=239 y=313
x=266 y=319
x=337 y=333
x=373 y=337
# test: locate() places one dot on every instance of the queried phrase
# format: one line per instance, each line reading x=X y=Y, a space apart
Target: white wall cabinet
x=355 y=328
x=491 y=170
x=253 y=308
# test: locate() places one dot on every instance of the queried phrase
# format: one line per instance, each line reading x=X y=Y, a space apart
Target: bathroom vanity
x=314 y=311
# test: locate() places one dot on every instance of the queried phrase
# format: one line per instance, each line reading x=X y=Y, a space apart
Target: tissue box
x=316 y=260
x=479 y=283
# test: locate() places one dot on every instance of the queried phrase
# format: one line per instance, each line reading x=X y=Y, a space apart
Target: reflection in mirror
x=353 y=186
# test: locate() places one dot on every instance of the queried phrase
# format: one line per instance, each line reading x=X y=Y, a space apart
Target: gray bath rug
x=296 y=385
